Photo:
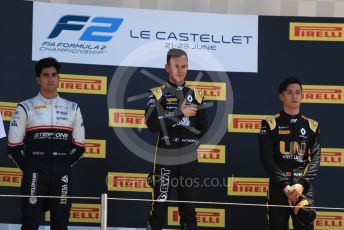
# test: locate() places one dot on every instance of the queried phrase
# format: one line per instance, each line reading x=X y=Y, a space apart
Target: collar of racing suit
x=48 y=101
x=291 y=118
x=178 y=87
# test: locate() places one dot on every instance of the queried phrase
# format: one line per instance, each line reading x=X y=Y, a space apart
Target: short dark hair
x=172 y=53
x=46 y=63
x=289 y=80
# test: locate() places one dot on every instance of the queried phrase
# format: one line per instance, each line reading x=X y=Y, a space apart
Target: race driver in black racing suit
x=289 y=145
x=46 y=137
x=175 y=112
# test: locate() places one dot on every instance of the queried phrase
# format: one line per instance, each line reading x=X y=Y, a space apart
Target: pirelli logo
x=10 y=177
x=129 y=182
x=211 y=90
x=329 y=220
x=316 y=31
x=7 y=110
x=95 y=148
x=323 y=94
x=87 y=84
x=212 y=154
x=239 y=186
x=82 y=213
x=242 y=123
x=127 y=118
x=206 y=217
x=332 y=157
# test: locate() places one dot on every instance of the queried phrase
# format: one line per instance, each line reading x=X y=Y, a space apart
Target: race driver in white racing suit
x=46 y=137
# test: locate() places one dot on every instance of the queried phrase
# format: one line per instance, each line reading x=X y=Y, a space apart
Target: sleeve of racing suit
x=202 y=119
x=16 y=135
x=266 y=149
x=312 y=167
x=157 y=118
x=78 y=141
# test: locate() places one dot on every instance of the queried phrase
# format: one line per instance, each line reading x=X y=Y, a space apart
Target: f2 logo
x=89 y=34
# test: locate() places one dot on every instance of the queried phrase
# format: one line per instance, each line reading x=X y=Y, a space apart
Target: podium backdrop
x=118 y=144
